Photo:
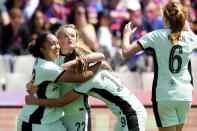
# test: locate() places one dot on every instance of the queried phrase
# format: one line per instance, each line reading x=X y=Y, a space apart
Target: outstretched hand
x=128 y=30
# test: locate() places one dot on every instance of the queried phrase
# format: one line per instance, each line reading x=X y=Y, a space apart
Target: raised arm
x=73 y=77
x=64 y=100
x=92 y=57
x=95 y=57
x=127 y=48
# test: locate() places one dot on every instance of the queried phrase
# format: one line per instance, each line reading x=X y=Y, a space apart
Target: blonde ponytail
x=175 y=14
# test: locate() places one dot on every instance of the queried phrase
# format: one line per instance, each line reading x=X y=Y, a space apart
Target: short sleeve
x=147 y=40
x=50 y=72
x=84 y=87
x=194 y=41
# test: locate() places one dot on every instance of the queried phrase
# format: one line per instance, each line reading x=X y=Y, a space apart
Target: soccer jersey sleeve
x=84 y=87
x=50 y=72
x=194 y=41
x=147 y=40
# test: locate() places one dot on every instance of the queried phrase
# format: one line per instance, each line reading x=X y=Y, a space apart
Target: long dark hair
x=35 y=45
x=71 y=16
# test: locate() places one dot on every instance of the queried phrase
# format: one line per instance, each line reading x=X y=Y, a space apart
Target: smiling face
x=67 y=39
x=51 y=48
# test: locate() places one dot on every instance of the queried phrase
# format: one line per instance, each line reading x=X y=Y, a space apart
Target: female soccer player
x=45 y=74
x=76 y=114
x=172 y=84
x=105 y=86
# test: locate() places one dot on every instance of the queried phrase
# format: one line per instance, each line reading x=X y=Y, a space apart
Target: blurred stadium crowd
x=100 y=24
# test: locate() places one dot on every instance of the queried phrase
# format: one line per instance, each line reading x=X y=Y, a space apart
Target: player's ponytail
x=82 y=63
x=175 y=14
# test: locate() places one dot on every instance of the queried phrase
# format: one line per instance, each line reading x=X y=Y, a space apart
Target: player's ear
x=42 y=50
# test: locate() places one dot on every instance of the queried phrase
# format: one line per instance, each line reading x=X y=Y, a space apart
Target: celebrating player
x=172 y=85
x=45 y=74
x=77 y=114
x=105 y=86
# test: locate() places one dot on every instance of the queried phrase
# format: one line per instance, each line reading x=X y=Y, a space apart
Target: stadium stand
x=23 y=64
x=131 y=80
x=16 y=82
x=5 y=69
x=147 y=80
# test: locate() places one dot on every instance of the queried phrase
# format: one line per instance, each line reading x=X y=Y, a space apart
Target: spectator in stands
x=118 y=12
x=4 y=16
x=54 y=14
x=79 y=17
x=191 y=13
x=93 y=8
x=37 y=24
x=4 y=20
x=158 y=22
x=15 y=4
x=29 y=9
x=137 y=62
x=46 y=75
x=172 y=85
x=150 y=10
x=69 y=5
x=15 y=36
x=194 y=27
x=106 y=41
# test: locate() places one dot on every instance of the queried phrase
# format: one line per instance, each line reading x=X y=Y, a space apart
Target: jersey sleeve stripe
x=59 y=75
x=140 y=45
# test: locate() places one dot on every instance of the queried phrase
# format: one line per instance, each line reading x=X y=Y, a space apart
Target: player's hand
x=31 y=88
x=30 y=99
x=105 y=65
x=128 y=30
x=68 y=65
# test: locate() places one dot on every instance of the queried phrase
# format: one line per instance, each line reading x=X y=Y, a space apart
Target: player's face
x=51 y=48
x=67 y=39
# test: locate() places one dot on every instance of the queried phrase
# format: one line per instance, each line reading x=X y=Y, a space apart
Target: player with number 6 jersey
x=172 y=84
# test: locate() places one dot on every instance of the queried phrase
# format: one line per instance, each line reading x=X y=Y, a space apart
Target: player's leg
x=140 y=112
x=179 y=127
x=171 y=128
x=134 y=121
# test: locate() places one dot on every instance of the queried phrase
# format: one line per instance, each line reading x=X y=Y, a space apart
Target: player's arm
x=73 y=77
x=92 y=57
x=127 y=48
x=95 y=57
x=64 y=100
